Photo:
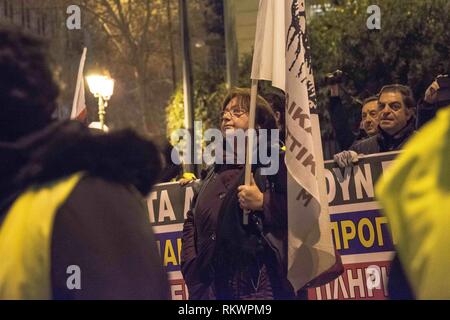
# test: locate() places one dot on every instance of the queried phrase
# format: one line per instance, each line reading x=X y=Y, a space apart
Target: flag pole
x=250 y=143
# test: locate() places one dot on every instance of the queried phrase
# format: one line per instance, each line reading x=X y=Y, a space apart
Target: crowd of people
x=70 y=195
x=415 y=192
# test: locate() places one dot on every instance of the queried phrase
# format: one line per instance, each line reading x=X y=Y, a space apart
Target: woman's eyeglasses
x=235 y=113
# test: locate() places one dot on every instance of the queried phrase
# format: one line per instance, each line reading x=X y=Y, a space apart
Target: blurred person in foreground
x=396 y=107
x=415 y=196
x=72 y=221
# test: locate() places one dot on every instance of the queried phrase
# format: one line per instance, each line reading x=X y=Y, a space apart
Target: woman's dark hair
x=277 y=101
x=28 y=92
x=265 y=118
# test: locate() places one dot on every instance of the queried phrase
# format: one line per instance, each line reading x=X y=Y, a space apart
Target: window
x=39 y=25
x=10 y=9
x=44 y=24
x=22 y=13
x=7 y=9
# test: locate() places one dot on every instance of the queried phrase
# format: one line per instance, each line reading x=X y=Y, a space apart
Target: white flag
x=282 y=56
x=79 y=103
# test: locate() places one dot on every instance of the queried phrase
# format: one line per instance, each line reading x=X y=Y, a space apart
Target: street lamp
x=101 y=87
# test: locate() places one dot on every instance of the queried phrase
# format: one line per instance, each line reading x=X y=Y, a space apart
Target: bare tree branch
x=145 y=31
x=122 y=25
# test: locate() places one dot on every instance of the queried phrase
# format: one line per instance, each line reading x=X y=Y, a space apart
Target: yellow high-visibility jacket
x=73 y=224
x=25 y=241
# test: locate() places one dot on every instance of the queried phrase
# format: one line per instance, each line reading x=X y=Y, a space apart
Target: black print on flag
x=298 y=16
x=298 y=34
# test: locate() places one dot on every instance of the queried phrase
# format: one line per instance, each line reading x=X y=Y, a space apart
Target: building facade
x=39 y=17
